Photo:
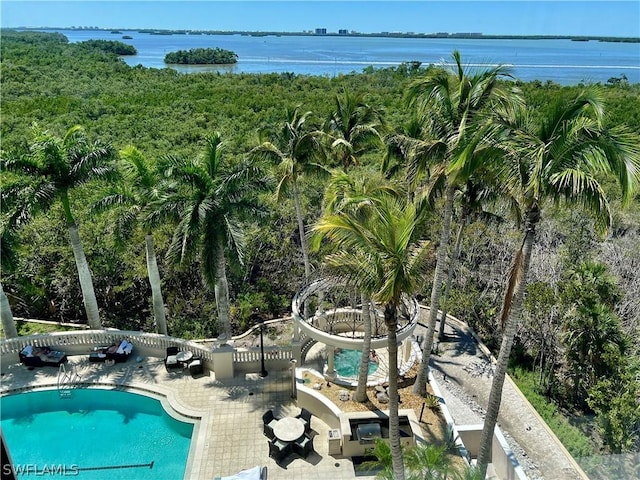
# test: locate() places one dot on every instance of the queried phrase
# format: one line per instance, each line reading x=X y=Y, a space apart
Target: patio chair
x=268 y=432
x=279 y=450
x=303 y=446
x=196 y=367
x=305 y=416
x=170 y=360
x=269 y=420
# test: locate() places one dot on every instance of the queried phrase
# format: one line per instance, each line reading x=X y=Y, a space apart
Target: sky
x=508 y=17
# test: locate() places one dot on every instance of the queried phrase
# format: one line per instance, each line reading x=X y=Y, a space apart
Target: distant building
x=467 y=34
x=343 y=31
x=321 y=31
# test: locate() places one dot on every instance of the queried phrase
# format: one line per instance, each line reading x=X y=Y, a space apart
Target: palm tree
x=353 y=128
x=559 y=160
x=134 y=197
x=346 y=192
x=212 y=197
x=377 y=253
x=423 y=461
x=473 y=195
x=296 y=148
x=428 y=461
x=457 y=103
x=8 y=258
x=592 y=334
x=383 y=462
x=11 y=218
x=56 y=166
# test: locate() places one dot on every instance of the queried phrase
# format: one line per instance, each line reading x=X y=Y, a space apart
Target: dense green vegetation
x=169 y=118
x=110 y=46
x=201 y=56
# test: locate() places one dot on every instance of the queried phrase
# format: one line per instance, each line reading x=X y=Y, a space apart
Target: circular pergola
x=331 y=313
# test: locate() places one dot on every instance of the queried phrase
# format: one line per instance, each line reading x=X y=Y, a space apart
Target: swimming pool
x=94 y=434
x=347 y=363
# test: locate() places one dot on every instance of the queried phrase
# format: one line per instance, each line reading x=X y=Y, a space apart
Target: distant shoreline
x=440 y=35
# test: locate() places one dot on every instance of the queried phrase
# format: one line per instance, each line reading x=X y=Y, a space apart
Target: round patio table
x=288 y=429
x=184 y=357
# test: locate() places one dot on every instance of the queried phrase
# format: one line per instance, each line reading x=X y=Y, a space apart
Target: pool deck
x=230 y=436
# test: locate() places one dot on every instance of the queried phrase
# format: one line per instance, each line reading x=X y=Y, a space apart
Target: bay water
x=561 y=61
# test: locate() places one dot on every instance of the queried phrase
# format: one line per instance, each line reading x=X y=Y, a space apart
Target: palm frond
x=578 y=186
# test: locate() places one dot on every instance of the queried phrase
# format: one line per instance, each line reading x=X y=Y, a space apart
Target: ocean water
x=94 y=434
x=561 y=61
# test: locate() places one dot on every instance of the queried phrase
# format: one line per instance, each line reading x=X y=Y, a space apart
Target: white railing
x=76 y=343
x=145 y=344
x=253 y=354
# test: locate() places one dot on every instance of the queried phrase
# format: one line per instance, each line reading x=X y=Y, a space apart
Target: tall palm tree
x=473 y=196
x=413 y=152
x=296 y=148
x=8 y=258
x=55 y=167
x=353 y=128
x=134 y=197
x=560 y=159
x=212 y=196
x=348 y=192
x=378 y=254
x=457 y=103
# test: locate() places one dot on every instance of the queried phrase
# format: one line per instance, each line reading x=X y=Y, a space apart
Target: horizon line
x=315 y=33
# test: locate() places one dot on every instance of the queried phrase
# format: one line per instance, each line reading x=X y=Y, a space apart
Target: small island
x=201 y=56
x=110 y=46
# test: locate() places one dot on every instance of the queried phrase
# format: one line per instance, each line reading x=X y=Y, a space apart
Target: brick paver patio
x=230 y=435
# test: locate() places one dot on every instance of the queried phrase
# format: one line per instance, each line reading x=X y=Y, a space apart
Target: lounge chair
x=255 y=473
x=305 y=416
x=170 y=360
x=32 y=356
x=117 y=352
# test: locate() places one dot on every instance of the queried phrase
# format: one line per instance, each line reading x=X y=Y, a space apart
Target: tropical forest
x=146 y=199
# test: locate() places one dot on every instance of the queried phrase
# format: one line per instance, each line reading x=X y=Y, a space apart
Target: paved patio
x=230 y=436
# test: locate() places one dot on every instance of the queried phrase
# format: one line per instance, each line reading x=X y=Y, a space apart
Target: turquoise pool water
x=92 y=429
x=347 y=363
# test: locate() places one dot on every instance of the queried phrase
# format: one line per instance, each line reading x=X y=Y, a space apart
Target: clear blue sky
x=516 y=17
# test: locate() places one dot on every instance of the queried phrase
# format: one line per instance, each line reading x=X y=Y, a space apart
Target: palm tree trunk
x=361 y=390
x=154 y=282
x=303 y=237
x=452 y=267
x=86 y=283
x=303 y=244
x=221 y=291
x=8 y=325
x=420 y=387
x=512 y=309
x=394 y=422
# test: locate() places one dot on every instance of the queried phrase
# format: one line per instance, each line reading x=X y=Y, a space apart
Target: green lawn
x=33 y=328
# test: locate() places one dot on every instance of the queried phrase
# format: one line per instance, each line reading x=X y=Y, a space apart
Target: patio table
x=184 y=357
x=288 y=429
